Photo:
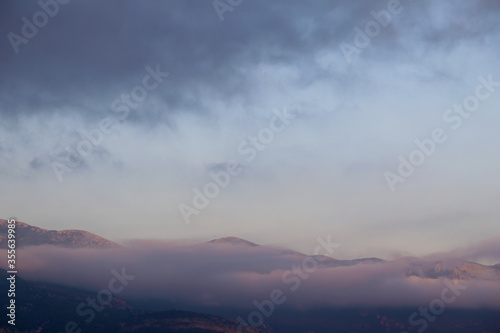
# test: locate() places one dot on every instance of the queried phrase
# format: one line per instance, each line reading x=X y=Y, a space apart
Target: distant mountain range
x=45 y=307
x=27 y=235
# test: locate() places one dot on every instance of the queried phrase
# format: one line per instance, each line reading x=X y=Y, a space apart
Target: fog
x=214 y=276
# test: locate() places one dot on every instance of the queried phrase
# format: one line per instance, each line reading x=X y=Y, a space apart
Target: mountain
x=232 y=241
x=48 y=308
x=455 y=269
x=322 y=259
x=27 y=235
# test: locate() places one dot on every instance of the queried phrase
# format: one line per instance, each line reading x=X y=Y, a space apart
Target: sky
x=116 y=117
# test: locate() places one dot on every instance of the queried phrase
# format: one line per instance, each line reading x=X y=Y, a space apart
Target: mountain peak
x=232 y=241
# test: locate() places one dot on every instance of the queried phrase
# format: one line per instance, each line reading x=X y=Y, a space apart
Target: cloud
x=488 y=250
x=211 y=277
x=76 y=67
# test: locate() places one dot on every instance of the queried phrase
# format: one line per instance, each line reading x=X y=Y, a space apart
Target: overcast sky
x=350 y=106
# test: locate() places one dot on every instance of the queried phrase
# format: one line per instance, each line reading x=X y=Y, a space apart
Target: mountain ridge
x=451 y=268
x=29 y=235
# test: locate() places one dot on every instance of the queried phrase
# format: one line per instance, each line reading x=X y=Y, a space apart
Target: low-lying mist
x=193 y=276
